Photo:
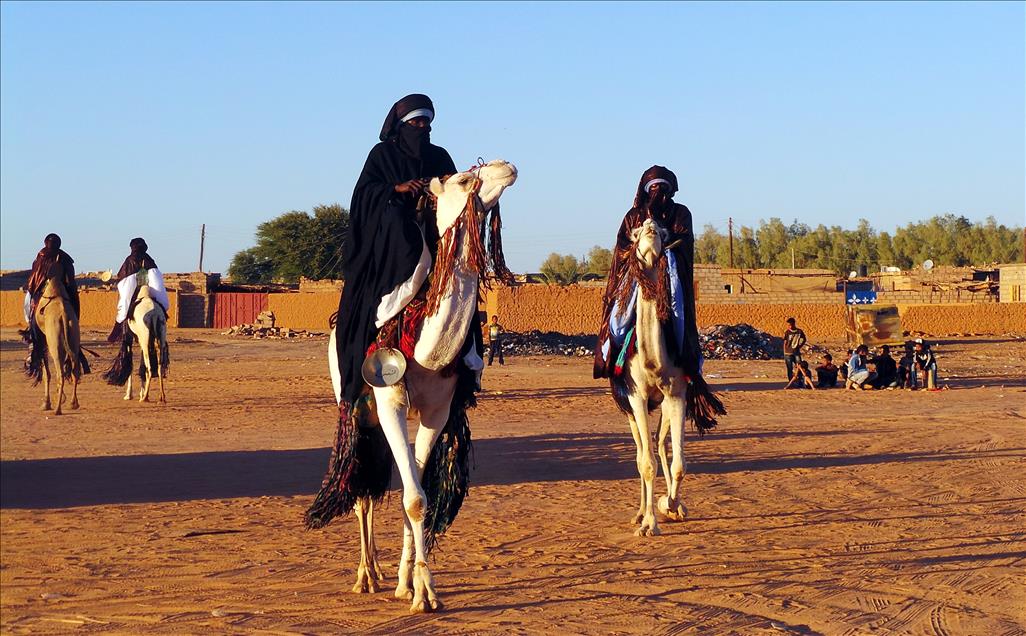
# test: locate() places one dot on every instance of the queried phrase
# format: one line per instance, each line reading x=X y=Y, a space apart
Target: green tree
x=562 y=269
x=707 y=245
x=599 y=261
x=294 y=244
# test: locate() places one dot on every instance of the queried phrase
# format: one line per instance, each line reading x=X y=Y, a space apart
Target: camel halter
x=472 y=219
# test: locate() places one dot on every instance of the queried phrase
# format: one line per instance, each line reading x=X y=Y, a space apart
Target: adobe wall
x=99 y=308
x=946 y=320
x=303 y=311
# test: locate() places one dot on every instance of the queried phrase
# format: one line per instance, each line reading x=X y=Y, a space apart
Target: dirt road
x=825 y=512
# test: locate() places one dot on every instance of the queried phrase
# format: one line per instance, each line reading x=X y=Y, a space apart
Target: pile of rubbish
x=258 y=332
x=739 y=342
x=548 y=343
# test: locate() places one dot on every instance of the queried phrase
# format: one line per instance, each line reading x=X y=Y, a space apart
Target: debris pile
x=258 y=332
x=739 y=342
x=547 y=343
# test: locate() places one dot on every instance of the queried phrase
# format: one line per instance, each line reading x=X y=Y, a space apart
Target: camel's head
x=648 y=242
x=489 y=181
x=495 y=177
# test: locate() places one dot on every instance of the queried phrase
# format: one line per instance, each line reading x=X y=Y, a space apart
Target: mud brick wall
x=1013 y=283
x=99 y=308
x=929 y=297
x=194 y=310
x=303 y=311
x=946 y=320
x=576 y=310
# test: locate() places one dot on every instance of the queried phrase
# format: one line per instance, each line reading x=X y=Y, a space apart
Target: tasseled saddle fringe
x=37 y=353
x=360 y=466
x=121 y=368
x=446 y=478
x=702 y=405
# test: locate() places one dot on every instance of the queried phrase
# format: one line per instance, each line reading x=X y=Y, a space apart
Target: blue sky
x=119 y=119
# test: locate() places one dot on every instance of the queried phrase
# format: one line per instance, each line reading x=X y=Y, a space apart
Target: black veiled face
x=658 y=197
x=418 y=122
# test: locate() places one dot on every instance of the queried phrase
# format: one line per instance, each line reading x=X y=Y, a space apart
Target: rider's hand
x=413 y=186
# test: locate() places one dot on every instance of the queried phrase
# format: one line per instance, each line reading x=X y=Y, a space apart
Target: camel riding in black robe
x=392 y=236
x=615 y=338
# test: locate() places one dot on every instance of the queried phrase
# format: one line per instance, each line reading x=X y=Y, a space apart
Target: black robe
x=382 y=248
x=49 y=264
x=133 y=263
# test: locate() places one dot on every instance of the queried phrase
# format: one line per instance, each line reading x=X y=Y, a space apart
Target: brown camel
x=57 y=320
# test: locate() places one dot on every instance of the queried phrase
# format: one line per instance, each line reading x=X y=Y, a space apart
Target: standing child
x=495 y=341
x=794 y=340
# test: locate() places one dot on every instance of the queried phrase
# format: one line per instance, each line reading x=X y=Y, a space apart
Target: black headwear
x=138 y=246
x=52 y=242
x=655 y=172
x=399 y=110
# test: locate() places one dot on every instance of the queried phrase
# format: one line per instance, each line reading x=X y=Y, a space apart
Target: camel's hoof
x=74 y=405
x=404 y=593
x=648 y=531
x=127 y=398
x=367 y=586
x=58 y=411
x=426 y=606
x=676 y=512
x=47 y=407
x=636 y=519
x=163 y=400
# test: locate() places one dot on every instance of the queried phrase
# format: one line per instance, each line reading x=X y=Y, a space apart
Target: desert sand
x=824 y=512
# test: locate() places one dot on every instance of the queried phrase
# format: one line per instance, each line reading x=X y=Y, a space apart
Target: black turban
x=400 y=109
x=655 y=172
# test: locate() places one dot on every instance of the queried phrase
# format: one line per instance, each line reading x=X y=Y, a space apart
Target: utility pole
x=730 y=232
x=792 y=258
x=203 y=238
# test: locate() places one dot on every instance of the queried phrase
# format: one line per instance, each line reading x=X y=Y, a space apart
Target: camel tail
x=447 y=473
x=156 y=349
x=121 y=369
x=703 y=405
x=360 y=465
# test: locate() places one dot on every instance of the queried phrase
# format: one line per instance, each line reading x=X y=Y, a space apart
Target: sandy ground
x=824 y=512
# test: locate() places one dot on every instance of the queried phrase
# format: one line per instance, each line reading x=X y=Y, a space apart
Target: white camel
x=148 y=324
x=426 y=389
x=655 y=379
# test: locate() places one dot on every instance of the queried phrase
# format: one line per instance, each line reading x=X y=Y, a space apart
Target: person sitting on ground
x=843 y=369
x=906 y=368
x=925 y=364
x=802 y=377
x=859 y=374
x=826 y=373
x=886 y=369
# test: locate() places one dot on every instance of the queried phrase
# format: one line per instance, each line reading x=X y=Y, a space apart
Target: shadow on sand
x=85 y=481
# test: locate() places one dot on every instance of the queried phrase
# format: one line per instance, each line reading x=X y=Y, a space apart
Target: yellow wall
x=99 y=308
x=303 y=311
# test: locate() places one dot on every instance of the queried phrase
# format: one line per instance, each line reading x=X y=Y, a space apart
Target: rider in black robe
x=385 y=239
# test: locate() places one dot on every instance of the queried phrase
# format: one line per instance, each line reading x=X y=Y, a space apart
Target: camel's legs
x=404 y=588
x=392 y=411
x=673 y=418
x=46 y=385
x=647 y=466
x=661 y=434
x=128 y=387
x=60 y=389
x=163 y=396
x=636 y=520
x=74 y=390
x=144 y=393
x=367 y=574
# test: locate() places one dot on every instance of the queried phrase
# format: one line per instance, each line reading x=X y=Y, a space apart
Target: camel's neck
x=649 y=324
x=443 y=333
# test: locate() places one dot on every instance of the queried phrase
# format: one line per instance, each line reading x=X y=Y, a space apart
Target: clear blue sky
x=149 y=119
